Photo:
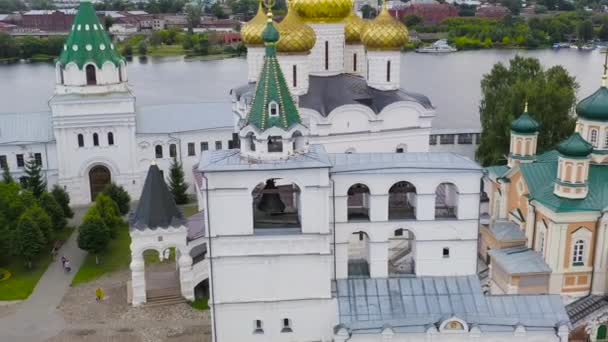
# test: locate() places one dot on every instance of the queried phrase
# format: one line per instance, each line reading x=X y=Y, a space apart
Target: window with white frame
x=578 y=253
x=593 y=137
x=286 y=325
x=273 y=109
x=257 y=327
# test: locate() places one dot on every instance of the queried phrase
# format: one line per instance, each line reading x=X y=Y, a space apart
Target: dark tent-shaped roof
x=156 y=208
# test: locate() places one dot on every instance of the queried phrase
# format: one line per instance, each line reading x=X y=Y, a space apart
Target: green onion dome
x=88 y=41
x=575 y=146
x=524 y=124
x=594 y=107
x=270 y=35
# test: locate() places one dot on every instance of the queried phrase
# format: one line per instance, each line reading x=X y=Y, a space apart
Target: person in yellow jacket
x=99 y=294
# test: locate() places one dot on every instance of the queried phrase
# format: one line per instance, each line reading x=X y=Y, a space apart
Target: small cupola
x=524 y=139
x=592 y=122
x=573 y=167
x=89 y=62
x=272 y=128
x=383 y=38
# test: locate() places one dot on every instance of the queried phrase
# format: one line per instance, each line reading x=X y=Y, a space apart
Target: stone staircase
x=163 y=297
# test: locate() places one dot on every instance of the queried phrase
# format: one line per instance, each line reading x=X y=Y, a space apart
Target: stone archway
x=99 y=178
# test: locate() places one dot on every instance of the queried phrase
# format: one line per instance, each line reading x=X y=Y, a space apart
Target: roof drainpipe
x=333 y=198
x=212 y=292
x=534 y=225
x=597 y=231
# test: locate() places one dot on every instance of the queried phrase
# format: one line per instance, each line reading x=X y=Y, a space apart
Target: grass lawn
x=189 y=209
x=200 y=304
x=23 y=280
x=164 y=50
x=116 y=257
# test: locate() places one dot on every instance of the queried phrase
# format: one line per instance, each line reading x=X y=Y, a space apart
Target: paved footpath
x=36 y=319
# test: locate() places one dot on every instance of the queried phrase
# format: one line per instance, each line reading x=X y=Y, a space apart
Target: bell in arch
x=271 y=200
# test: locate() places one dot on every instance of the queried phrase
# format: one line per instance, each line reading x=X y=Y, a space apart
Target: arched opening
x=162 y=274
x=276 y=205
x=158 y=151
x=358 y=255
x=401 y=253
x=446 y=201
x=388 y=71
x=401 y=148
x=350 y=150
x=354 y=62
x=110 y=138
x=275 y=144
x=273 y=109
x=99 y=178
x=601 y=333
x=326 y=55
x=172 y=151
x=358 y=202
x=402 y=201
x=80 y=140
x=251 y=140
x=95 y=139
x=91 y=74
x=120 y=73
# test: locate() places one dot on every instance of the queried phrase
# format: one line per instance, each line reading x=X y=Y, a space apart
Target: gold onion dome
x=384 y=32
x=251 y=32
x=323 y=11
x=353 y=26
x=296 y=36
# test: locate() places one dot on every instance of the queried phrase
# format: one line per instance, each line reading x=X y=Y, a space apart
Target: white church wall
x=548 y=335
x=298 y=64
x=354 y=59
x=255 y=61
x=333 y=35
x=48 y=154
x=310 y=320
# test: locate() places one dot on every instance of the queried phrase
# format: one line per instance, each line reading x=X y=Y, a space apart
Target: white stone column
x=255 y=61
x=186 y=276
x=341 y=203
x=425 y=206
x=598 y=287
x=378 y=207
x=297 y=62
x=355 y=59
x=383 y=69
x=138 y=279
x=378 y=259
x=341 y=260
x=333 y=34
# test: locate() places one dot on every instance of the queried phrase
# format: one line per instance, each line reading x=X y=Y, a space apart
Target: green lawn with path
x=23 y=280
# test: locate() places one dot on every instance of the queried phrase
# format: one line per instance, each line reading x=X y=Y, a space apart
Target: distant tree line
x=29 y=47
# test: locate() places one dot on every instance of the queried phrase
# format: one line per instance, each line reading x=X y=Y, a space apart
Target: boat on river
x=440 y=46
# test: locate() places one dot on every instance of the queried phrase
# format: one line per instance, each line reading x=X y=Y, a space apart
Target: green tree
x=127 y=50
x=94 y=237
x=9 y=6
x=412 y=20
x=108 y=211
x=42 y=5
x=142 y=48
x=6 y=235
x=603 y=34
x=218 y=11
x=120 y=196
x=63 y=198
x=6 y=175
x=28 y=239
x=34 y=179
x=177 y=184
x=585 y=30
x=368 y=12
x=193 y=15
x=551 y=97
x=156 y=38
x=54 y=210
x=8 y=46
x=42 y=220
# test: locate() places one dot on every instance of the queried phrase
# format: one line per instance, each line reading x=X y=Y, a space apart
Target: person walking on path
x=99 y=294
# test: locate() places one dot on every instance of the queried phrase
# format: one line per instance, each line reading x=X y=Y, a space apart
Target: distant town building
x=492 y=11
x=51 y=20
x=432 y=13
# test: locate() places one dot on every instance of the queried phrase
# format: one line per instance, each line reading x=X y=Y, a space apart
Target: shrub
x=42 y=221
x=120 y=196
x=63 y=198
x=54 y=210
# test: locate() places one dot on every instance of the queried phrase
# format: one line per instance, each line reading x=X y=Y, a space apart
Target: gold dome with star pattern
x=384 y=32
x=323 y=11
x=296 y=36
x=251 y=32
x=353 y=26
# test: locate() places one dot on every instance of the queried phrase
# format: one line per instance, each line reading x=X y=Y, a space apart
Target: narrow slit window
x=388 y=71
x=326 y=55
x=295 y=76
x=80 y=140
x=95 y=139
x=110 y=138
x=355 y=62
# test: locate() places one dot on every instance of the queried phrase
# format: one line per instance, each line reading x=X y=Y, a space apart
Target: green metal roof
x=88 y=41
x=595 y=106
x=272 y=87
x=524 y=124
x=540 y=177
x=498 y=170
x=575 y=146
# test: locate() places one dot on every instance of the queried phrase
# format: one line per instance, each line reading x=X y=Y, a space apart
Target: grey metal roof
x=385 y=162
x=156 y=208
x=506 y=231
x=585 y=306
x=518 y=260
x=25 y=128
x=225 y=160
x=326 y=93
x=411 y=304
x=196 y=225
x=174 y=118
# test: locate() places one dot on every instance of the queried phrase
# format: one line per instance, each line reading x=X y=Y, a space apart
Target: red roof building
x=492 y=12
x=431 y=13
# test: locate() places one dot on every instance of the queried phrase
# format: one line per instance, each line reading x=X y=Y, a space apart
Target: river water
x=451 y=81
